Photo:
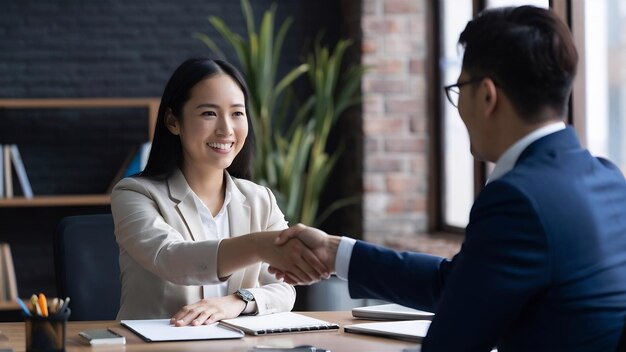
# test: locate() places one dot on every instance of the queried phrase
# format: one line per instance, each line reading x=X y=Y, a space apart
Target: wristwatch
x=245 y=296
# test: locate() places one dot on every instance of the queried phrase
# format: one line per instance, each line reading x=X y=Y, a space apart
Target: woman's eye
x=209 y=113
x=239 y=114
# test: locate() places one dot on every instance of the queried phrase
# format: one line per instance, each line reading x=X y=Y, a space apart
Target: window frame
x=571 y=12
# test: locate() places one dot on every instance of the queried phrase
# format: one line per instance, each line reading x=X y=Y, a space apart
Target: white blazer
x=165 y=253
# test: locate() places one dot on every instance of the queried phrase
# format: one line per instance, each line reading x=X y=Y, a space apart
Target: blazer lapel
x=238 y=210
x=239 y=222
x=181 y=193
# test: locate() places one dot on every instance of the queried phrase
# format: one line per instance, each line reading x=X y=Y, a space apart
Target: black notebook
x=286 y=322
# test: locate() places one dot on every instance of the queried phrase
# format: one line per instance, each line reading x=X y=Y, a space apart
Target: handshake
x=300 y=255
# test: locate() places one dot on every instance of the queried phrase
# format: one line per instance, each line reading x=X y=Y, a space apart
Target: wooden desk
x=12 y=336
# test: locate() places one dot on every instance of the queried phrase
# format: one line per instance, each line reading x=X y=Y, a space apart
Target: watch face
x=245 y=295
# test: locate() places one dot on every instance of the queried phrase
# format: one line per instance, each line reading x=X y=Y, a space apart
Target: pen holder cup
x=46 y=334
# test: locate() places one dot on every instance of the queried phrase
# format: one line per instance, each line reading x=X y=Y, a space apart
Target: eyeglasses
x=453 y=90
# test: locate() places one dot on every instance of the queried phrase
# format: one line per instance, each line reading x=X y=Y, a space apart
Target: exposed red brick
x=403 y=105
x=383 y=164
x=389 y=66
x=374 y=104
x=378 y=26
x=418 y=124
x=383 y=126
x=402 y=183
x=372 y=144
x=369 y=46
x=416 y=66
x=374 y=182
x=405 y=145
x=384 y=85
x=371 y=7
x=400 y=6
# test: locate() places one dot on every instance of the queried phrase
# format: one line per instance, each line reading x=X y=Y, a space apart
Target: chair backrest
x=621 y=345
x=87 y=266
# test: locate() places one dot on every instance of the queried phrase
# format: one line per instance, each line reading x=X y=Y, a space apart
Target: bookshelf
x=151 y=104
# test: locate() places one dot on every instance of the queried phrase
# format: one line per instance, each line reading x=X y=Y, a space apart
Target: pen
x=54 y=306
x=23 y=306
x=43 y=305
x=64 y=305
x=33 y=303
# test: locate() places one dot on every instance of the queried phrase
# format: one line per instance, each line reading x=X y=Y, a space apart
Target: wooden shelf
x=57 y=201
x=151 y=104
x=9 y=305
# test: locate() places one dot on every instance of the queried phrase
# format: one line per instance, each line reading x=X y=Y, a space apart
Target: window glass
x=458 y=183
x=500 y=3
x=605 y=75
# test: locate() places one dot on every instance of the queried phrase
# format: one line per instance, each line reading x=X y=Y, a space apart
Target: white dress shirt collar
x=507 y=160
x=217 y=228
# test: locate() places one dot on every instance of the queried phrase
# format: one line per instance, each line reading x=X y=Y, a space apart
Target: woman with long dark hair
x=185 y=224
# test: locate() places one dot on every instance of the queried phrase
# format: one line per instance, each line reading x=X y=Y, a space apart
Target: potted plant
x=292 y=159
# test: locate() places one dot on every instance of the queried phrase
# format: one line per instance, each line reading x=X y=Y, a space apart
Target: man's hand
x=294 y=257
x=321 y=244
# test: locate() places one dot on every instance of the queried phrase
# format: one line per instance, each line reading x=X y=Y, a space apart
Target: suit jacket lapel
x=238 y=210
x=181 y=192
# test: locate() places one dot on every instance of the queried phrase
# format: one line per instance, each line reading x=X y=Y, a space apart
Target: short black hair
x=166 y=152
x=527 y=51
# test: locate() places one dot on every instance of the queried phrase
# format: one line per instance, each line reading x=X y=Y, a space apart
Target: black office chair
x=621 y=346
x=87 y=266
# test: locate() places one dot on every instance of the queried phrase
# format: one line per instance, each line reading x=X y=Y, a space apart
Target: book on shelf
x=134 y=163
x=8 y=174
x=20 y=171
x=1 y=171
x=8 y=282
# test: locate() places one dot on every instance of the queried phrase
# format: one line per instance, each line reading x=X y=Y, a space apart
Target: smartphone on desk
x=304 y=348
x=101 y=337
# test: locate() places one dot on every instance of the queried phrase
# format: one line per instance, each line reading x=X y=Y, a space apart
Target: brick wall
x=394 y=119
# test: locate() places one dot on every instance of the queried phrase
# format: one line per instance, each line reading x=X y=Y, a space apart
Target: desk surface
x=12 y=336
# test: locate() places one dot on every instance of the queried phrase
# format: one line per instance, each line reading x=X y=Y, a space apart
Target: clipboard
x=160 y=330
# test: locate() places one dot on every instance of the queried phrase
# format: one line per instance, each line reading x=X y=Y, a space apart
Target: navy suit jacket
x=542 y=267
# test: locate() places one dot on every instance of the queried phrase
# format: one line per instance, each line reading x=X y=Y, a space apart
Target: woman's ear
x=171 y=122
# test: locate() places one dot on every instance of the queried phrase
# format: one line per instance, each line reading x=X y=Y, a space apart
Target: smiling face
x=213 y=126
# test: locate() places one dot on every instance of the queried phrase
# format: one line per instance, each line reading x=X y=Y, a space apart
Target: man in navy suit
x=543 y=264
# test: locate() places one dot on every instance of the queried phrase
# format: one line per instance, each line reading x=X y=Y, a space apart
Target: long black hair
x=166 y=152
